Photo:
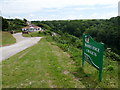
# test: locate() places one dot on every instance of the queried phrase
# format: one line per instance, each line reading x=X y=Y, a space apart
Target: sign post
x=92 y=52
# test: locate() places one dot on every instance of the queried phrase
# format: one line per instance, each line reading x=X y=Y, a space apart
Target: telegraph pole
x=0 y=20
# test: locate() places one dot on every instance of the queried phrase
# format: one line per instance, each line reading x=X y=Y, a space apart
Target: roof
x=30 y=26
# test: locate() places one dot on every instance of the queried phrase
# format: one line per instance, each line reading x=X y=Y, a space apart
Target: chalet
x=31 y=28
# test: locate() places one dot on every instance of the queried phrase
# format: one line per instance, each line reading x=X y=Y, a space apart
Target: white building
x=31 y=28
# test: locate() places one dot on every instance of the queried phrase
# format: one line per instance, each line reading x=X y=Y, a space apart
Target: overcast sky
x=59 y=9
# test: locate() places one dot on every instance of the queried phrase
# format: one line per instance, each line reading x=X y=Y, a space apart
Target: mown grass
x=6 y=38
x=33 y=34
x=41 y=66
x=45 y=65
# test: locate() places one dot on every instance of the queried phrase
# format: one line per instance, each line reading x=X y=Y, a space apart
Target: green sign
x=93 y=53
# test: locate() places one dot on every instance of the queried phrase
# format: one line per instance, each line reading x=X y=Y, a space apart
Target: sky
x=59 y=9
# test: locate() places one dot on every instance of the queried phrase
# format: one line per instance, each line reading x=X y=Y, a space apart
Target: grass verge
x=45 y=65
x=41 y=66
x=6 y=38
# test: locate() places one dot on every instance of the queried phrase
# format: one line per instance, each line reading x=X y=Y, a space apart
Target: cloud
x=28 y=6
x=81 y=8
x=119 y=8
x=102 y=15
x=58 y=9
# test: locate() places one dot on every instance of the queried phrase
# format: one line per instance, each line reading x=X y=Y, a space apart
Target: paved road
x=21 y=44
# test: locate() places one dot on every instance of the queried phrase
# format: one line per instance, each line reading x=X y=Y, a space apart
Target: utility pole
x=0 y=20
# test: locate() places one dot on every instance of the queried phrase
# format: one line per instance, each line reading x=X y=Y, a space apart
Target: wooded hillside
x=102 y=30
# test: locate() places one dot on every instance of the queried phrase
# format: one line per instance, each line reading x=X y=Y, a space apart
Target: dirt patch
x=71 y=62
x=50 y=84
x=66 y=72
x=67 y=54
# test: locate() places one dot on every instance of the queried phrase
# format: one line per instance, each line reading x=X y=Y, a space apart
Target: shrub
x=112 y=55
x=47 y=32
x=110 y=68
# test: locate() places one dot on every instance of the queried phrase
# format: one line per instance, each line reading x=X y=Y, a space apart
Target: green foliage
x=25 y=20
x=17 y=24
x=47 y=32
x=73 y=27
x=110 y=68
x=12 y=24
x=102 y=30
x=108 y=32
x=43 y=26
x=68 y=39
x=112 y=55
x=4 y=24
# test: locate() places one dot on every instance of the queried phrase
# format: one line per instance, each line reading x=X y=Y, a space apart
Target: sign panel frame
x=92 y=52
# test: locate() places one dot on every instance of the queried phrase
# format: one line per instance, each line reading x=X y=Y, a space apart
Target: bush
x=47 y=32
x=110 y=68
x=112 y=55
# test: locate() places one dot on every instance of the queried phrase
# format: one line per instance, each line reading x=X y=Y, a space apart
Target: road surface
x=21 y=44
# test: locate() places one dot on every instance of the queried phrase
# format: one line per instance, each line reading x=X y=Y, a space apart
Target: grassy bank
x=41 y=66
x=45 y=65
x=6 y=38
x=88 y=75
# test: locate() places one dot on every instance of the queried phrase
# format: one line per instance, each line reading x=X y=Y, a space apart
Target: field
x=45 y=65
x=6 y=38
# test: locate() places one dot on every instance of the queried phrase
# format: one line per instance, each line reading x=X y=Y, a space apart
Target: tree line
x=12 y=24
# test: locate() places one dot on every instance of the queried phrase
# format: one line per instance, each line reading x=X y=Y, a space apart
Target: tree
x=25 y=20
x=4 y=24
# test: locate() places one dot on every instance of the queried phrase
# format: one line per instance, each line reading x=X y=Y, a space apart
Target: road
x=21 y=44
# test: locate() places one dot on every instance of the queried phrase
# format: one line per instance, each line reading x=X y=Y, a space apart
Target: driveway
x=21 y=44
